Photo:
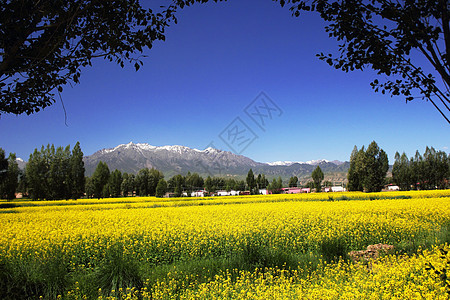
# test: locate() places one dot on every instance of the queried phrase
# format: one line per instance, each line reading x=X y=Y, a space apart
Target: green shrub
x=117 y=271
x=333 y=249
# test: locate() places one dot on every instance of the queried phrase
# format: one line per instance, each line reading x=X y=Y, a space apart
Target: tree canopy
x=45 y=44
x=317 y=176
x=393 y=38
x=368 y=168
x=427 y=171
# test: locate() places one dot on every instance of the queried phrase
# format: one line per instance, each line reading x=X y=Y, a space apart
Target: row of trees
x=368 y=169
x=104 y=183
x=151 y=182
x=55 y=173
x=58 y=173
x=316 y=183
x=428 y=171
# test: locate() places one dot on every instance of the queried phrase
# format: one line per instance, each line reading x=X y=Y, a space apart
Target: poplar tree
x=161 y=188
x=402 y=172
x=115 y=183
x=317 y=176
x=77 y=172
x=251 y=182
x=8 y=185
x=368 y=169
x=100 y=179
x=3 y=165
x=293 y=181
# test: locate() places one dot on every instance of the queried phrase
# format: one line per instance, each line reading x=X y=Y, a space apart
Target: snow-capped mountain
x=177 y=159
x=309 y=162
x=21 y=163
x=289 y=163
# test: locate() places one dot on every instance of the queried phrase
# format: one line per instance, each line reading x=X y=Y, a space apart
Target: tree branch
x=446 y=28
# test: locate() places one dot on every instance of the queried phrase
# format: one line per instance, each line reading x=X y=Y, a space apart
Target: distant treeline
x=59 y=173
x=151 y=182
x=51 y=173
x=428 y=171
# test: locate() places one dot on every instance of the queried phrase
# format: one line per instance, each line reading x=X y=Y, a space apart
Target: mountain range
x=172 y=160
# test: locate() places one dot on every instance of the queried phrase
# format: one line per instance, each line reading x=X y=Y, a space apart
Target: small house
x=338 y=189
x=199 y=193
x=393 y=188
x=292 y=190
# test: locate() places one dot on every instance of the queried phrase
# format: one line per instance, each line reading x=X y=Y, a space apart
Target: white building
x=225 y=193
x=200 y=193
x=393 y=188
x=338 y=189
x=263 y=192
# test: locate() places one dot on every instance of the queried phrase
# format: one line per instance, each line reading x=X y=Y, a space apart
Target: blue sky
x=213 y=64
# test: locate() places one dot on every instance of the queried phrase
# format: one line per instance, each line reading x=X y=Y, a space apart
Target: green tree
x=23 y=184
x=368 y=169
x=356 y=170
x=275 y=186
x=293 y=181
x=115 y=183
x=142 y=182
x=417 y=169
x=402 y=172
x=394 y=38
x=55 y=173
x=194 y=182
x=59 y=173
x=176 y=184
x=376 y=164
x=77 y=170
x=250 y=180
x=240 y=185
x=154 y=177
x=128 y=184
x=100 y=180
x=161 y=188
x=36 y=171
x=230 y=184
x=431 y=170
x=310 y=185
x=435 y=168
x=89 y=187
x=3 y=165
x=209 y=186
x=9 y=184
x=327 y=183
x=261 y=181
x=279 y=183
x=45 y=44
x=317 y=176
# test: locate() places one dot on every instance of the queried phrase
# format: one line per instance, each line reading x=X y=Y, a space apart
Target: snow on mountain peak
x=281 y=163
x=289 y=163
x=148 y=147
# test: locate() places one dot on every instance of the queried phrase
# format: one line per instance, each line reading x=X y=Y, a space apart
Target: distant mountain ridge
x=310 y=162
x=178 y=159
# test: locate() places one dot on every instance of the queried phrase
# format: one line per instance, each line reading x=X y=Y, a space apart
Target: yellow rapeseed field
x=156 y=232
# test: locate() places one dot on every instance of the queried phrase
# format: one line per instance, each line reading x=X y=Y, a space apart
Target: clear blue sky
x=213 y=64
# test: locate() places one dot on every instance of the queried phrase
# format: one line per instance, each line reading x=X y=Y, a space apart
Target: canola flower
x=390 y=277
x=154 y=231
